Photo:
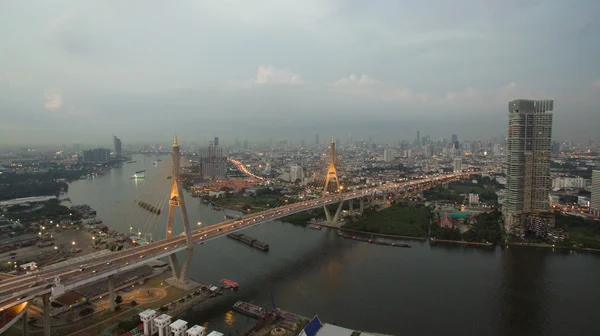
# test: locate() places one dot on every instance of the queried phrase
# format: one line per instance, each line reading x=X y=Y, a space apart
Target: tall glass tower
x=528 y=167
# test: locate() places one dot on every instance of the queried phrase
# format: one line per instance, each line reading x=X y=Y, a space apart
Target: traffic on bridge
x=65 y=277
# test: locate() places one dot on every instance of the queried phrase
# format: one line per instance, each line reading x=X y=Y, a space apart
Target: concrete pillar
x=362 y=205
x=24 y=320
x=186 y=266
x=111 y=293
x=327 y=214
x=175 y=270
x=46 y=300
x=350 y=205
x=336 y=217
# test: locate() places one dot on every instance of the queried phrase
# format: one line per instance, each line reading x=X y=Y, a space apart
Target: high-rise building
x=528 y=167
x=317 y=140
x=213 y=163
x=454 y=138
x=418 y=142
x=296 y=173
x=555 y=148
x=388 y=155
x=595 y=203
x=117 y=146
x=96 y=155
x=457 y=164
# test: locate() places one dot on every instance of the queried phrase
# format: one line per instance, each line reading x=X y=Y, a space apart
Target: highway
x=25 y=287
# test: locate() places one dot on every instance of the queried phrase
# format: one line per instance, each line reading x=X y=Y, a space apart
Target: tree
x=133 y=303
x=119 y=299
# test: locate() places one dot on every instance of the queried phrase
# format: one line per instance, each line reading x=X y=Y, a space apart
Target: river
x=425 y=290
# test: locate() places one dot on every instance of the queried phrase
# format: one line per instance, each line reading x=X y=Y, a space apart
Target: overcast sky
x=78 y=71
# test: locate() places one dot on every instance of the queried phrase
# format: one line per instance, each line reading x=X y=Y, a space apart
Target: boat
x=226 y=283
x=149 y=207
x=140 y=171
x=260 y=245
x=216 y=208
x=137 y=176
x=314 y=226
x=158 y=160
x=230 y=216
x=249 y=309
x=155 y=163
x=249 y=241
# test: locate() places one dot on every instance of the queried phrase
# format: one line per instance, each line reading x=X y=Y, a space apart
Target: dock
x=249 y=241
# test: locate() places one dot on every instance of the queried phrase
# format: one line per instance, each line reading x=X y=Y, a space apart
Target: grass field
x=395 y=220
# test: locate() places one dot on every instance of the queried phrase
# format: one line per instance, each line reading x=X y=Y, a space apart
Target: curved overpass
x=11 y=315
x=78 y=273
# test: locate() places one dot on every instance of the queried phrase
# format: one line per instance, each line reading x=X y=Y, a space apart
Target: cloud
x=53 y=100
x=268 y=74
x=367 y=87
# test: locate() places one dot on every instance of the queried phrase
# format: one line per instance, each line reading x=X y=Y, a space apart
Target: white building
x=215 y=333
x=473 y=199
x=162 y=324
x=196 y=331
x=498 y=150
x=147 y=317
x=296 y=173
x=388 y=155
x=595 y=202
x=178 y=328
x=568 y=183
x=457 y=164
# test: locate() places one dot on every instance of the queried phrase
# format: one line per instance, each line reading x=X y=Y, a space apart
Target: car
x=21 y=297
x=33 y=285
x=94 y=271
x=108 y=263
x=142 y=256
x=233 y=226
x=81 y=269
x=48 y=286
x=219 y=229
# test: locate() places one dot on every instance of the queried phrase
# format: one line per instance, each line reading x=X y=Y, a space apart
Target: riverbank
x=552 y=246
x=459 y=242
x=383 y=235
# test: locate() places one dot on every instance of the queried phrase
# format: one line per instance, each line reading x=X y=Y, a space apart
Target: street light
x=73 y=242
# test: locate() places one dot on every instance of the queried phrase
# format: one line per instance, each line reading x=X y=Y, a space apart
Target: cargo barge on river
x=373 y=241
x=249 y=309
x=249 y=241
x=149 y=207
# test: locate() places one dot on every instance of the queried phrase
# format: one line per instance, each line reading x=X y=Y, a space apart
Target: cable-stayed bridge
x=56 y=279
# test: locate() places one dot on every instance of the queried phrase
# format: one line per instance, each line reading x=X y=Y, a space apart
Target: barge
x=149 y=207
x=249 y=241
x=373 y=241
x=249 y=309
x=314 y=226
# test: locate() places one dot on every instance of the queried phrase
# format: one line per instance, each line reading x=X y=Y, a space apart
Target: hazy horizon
x=77 y=72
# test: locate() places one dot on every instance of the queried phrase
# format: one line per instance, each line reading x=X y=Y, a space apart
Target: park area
x=398 y=219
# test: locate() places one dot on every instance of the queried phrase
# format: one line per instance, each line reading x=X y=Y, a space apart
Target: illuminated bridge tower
x=332 y=177
x=180 y=275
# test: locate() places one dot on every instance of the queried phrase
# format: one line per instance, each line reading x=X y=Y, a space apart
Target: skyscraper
x=388 y=155
x=595 y=203
x=117 y=145
x=454 y=138
x=457 y=164
x=213 y=163
x=317 y=140
x=418 y=142
x=528 y=167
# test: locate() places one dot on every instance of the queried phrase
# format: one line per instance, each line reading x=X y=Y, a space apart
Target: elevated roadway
x=95 y=267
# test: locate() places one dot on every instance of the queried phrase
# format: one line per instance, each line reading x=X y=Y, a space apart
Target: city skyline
x=334 y=67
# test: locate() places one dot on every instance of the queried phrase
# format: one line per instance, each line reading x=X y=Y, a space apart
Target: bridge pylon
x=177 y=199
x=332 y=177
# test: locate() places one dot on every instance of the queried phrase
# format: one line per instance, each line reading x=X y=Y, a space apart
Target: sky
x=79 y=71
